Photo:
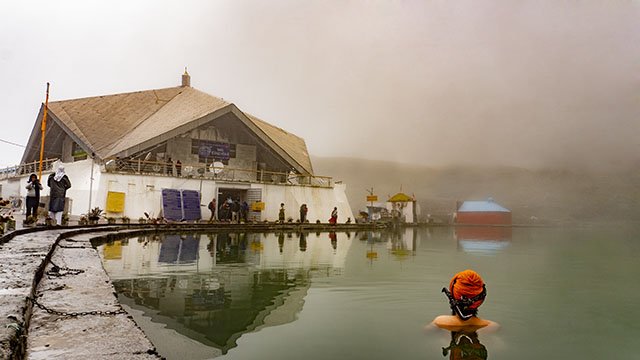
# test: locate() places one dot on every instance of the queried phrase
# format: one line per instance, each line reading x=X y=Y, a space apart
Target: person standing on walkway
x=169 y=167
x=212 y=208
x=33 y=196
x=235 y=211
x=244 y=212
x=334 y=216
x=58 y=183
x=303 y=213
x=179 y=168
x=281 y=214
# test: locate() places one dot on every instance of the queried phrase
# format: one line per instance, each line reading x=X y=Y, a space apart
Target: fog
x=539 y=197
x=531 y=84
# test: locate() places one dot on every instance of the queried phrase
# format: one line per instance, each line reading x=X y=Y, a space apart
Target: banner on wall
x=257 y=206
x=115 y=202
x=214 y=149
x=191 y=205
x=181 y=205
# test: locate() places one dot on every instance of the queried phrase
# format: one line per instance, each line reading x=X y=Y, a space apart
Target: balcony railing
x=211 y=172
x=26 y=169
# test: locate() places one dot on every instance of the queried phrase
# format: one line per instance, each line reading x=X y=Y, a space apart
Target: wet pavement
x=26 y=271
x=84 y=319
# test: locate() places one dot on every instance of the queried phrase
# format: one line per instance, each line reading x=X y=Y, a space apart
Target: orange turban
x=469 y=284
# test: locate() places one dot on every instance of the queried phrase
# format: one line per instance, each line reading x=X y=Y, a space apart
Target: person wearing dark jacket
x=33 y=196
x=58 y=183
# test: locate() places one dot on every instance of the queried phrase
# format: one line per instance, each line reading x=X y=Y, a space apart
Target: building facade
x=121 y=151
x=403 y=207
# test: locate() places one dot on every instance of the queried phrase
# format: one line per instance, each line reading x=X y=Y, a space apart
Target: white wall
x=143 y=193
x=79 y=174
x=406 y=210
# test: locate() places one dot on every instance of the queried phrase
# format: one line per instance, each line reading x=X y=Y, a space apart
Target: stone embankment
x=56 y=300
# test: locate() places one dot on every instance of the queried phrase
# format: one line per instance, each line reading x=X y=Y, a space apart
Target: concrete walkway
x=103 y=330
x=27 y=331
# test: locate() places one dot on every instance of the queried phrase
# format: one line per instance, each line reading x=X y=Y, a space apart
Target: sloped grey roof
x=113 y=124
x=185 y=107
x=100 y=121
x=291 y=144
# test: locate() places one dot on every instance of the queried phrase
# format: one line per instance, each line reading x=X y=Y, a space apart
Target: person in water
x=466 y=292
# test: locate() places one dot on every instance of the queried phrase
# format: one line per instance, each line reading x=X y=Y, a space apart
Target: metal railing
x=26 y=169
x=209 y=171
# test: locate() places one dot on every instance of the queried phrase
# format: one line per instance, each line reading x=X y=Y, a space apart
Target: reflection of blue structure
x=179 y=250
x=482 y=246
x=483 y=239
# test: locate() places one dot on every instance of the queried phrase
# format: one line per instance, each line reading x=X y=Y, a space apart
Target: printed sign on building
x=191 y=205
x=214 y=149
x=172 y=204
x=179 y=205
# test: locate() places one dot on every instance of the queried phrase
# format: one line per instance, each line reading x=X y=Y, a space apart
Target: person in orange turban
x=466 y=293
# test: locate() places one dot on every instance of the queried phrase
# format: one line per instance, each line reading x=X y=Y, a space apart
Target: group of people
x=303 y=214
x=170 y=165
x=231 y=210
x=58 y=183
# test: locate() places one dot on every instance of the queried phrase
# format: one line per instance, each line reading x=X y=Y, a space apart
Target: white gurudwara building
x=151 y=151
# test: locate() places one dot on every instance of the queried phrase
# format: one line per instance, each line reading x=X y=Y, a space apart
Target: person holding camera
x=33 y=196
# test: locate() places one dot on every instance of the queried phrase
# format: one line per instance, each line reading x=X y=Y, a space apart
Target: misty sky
x=522 y=83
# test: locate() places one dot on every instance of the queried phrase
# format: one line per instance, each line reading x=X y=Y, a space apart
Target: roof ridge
x=110 y=95
x=270 y=124
x=183 y=93
x=207 y=94
x=115 y=144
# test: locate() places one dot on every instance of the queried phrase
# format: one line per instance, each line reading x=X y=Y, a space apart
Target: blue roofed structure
x=482 y=206
x=482 y=212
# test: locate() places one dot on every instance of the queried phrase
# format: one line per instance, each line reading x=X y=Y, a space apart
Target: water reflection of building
x=482 y=239
x=214 y=288
x=400 y=243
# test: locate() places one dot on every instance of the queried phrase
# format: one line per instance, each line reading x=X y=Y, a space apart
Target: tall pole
x=44 y=128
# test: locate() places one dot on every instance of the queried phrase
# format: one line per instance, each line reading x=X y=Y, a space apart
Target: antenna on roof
x=186 y=78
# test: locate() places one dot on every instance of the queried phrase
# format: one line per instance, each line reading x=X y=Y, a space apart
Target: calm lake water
x=557 y=293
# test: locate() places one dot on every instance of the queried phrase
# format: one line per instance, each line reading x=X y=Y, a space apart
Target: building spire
x=186 y=78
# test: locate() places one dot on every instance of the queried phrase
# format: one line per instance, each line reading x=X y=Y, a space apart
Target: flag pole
x=44 y=128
